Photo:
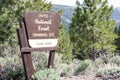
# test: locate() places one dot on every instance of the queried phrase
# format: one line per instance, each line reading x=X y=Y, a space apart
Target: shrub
x=108 y=69
x=104 y=65
x=82 y=67
x=46 y=74
x=108 y=64
x=115 y=59
x=65 y=46
x=62 y=68
x=40 y=59
x=17 y=74
x=10 y=63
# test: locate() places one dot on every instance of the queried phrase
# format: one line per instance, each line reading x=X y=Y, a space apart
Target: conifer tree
x=117 y=41
x=91 y=30
x=65 y=45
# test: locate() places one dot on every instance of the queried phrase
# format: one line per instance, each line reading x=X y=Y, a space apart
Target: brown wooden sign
x=42 y=28
x=38 y=31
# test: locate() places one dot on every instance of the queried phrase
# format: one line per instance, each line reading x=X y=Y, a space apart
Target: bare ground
x=83 y=77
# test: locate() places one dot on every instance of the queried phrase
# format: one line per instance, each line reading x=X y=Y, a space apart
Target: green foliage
x=66 y=70
x=11 y=68
x=115 y=60
x=104 y=65
x=9 y=51
x=107 y=71
x=40 y=60
x=82 y=67
x=47 y=74
x=63 y=69
x=91 y=30
x=65 y=45
x=17 y=74
x=11 y=12
x=117 y=42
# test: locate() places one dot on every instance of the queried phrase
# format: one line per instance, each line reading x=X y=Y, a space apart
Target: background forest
x=88 y=43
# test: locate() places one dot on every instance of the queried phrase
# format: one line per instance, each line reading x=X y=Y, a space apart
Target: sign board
x=42 y=28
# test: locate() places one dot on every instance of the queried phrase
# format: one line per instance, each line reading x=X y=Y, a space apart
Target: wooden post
x=51 y=59
x=26 y=56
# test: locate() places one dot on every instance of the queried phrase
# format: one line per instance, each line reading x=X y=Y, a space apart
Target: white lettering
x=43 y=28
x=36 y=43
x=40 y=35
x=42 y=22
x=43 y=15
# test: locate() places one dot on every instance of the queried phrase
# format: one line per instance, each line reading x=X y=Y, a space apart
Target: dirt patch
x=81 y=77
x=90 y=77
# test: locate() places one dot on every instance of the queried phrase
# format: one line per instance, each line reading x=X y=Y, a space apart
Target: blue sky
x=115 y=3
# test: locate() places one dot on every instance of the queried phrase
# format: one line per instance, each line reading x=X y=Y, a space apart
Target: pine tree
x=91 y=30
x=117 y=41
x=65 y=45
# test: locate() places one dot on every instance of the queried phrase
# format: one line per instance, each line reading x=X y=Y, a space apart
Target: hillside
x=116 y=15
x=67 y=12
